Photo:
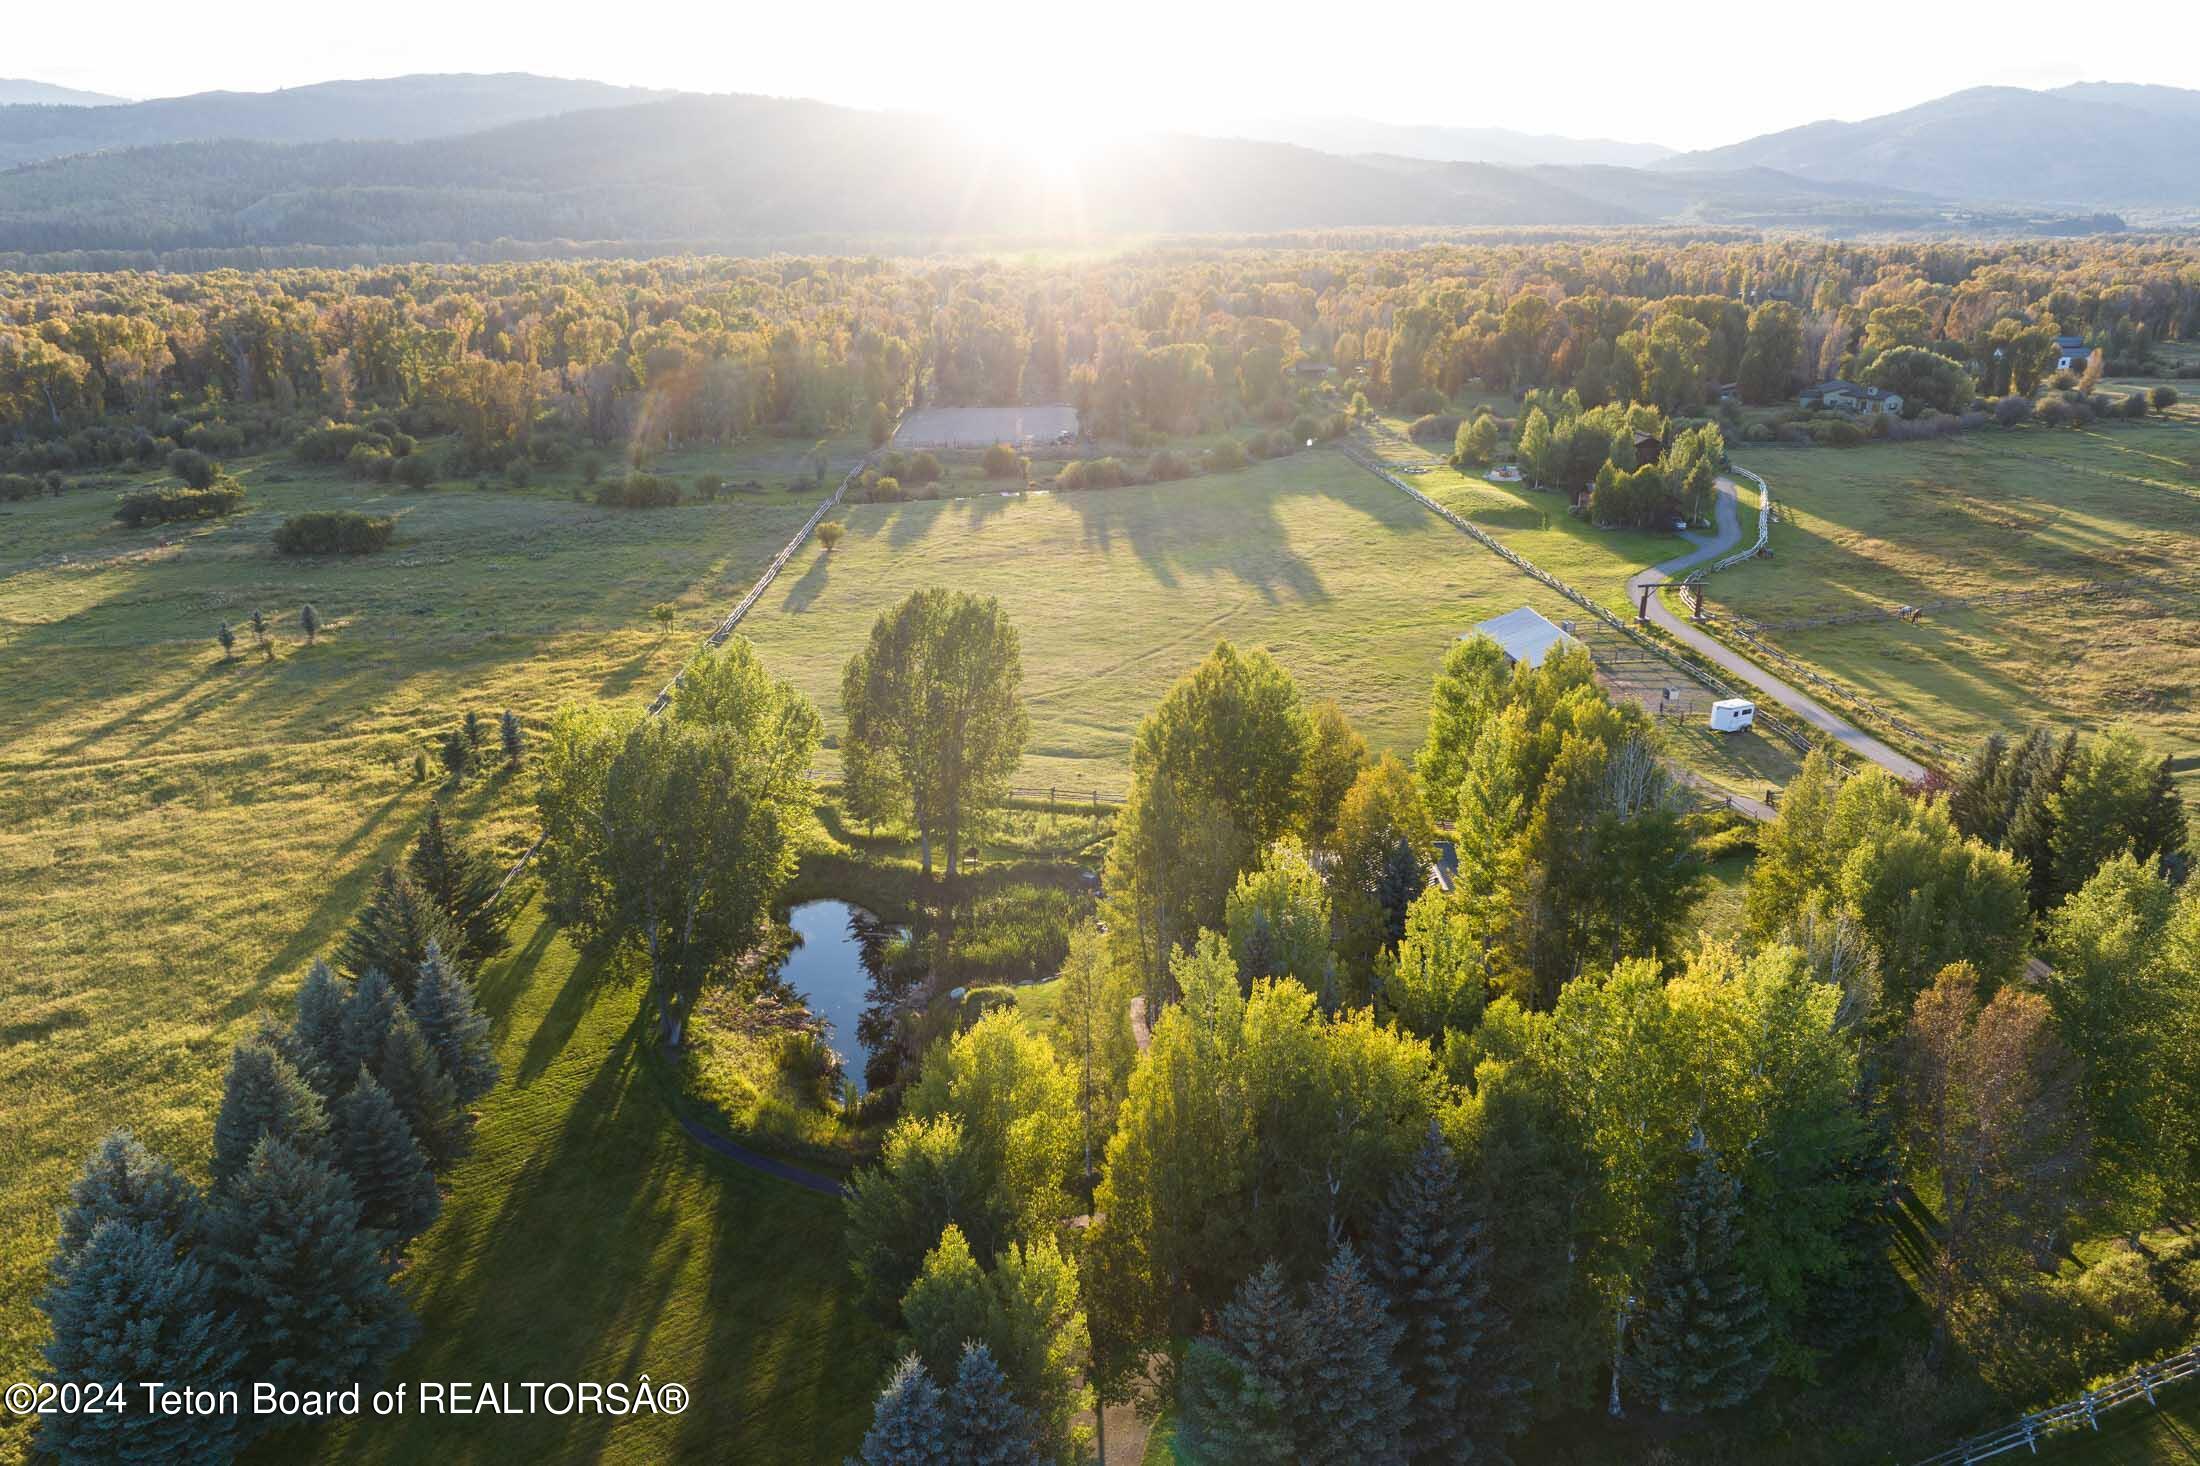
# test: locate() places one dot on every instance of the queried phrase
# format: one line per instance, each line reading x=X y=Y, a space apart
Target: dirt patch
x=980 y=427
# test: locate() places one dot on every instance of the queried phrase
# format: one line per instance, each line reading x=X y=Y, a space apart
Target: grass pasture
x=183 y=834
x=586 y=1238
x=1990 y=512
x=1354 y=588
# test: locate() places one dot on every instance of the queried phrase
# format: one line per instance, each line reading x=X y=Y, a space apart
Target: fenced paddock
x=981 y=427
x=2081 y=1414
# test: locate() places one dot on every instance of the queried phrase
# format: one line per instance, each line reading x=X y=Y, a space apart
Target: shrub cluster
x=159 y=506
x=638 y=491
x=334 y=532
x=16 y=487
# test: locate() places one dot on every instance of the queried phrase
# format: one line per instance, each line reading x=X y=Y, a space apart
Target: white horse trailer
x=1732 y=714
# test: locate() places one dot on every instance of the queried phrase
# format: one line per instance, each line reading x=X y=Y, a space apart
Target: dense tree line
x=524 y=358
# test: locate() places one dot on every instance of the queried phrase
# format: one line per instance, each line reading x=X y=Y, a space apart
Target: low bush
x=1167 y=466
x=638 y=491
x=334 y=442
x=2163 y=397
x=334 y=532
x=1422 y=401
x=193 y=467
x=1226 y=456
x=1429 y=428
x=370 y=461
x=1000 y=461
x=159 y=506
x=1097 y=473
x=16 y=487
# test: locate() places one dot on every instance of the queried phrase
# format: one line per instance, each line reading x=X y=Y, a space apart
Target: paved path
x=740 y=1154
x=1726 y=533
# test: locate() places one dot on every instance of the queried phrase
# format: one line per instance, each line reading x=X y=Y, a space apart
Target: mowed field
x=182 y=835
x=1352 y=587
x=1987 y=513
x=586 y=1238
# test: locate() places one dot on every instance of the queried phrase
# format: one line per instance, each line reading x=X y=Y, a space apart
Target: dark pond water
x=833 y=965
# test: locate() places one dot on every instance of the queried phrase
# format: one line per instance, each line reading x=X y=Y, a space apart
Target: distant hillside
x=731 y=168
x=741 y=172
x=399 y=109
x=46 y=94
x=2096 y=143
x=1441 y=144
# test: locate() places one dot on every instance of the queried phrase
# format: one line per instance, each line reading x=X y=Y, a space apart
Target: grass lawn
x=1534 y=523
x=1354 y=588
x=588 y=1239
x=1993 y=511
x=183 y=834
x=2137 y=1436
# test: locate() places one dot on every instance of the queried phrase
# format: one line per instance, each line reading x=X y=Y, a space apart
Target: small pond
x=833 y=964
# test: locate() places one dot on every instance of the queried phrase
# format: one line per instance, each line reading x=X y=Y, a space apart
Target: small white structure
x=1524 y=635
x=1732 y=714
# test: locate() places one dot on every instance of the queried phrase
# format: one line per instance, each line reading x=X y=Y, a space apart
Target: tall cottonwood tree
x=677 y=833
x=1215 y=780
x=935 y=712
x=1992 y=1113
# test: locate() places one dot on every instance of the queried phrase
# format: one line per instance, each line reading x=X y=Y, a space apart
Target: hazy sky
x=1689 y=75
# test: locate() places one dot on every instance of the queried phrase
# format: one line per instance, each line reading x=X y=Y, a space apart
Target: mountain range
x=2093 y=143
x=473 y=160
x=396 y=109
x=15 y=91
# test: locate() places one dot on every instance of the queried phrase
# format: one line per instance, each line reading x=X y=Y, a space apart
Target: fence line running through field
x=719 y=633
x=1700 y=675
x=2085 y=1411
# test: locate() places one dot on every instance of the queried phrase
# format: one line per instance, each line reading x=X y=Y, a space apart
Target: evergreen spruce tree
x=2162 y=829
x=315 y=1308
x=457 y=1031
x=316 y=1029
x=124 y=1182
x=1847 y=1301
x=389 y=1172
x=131 y=1308
x=362 y=1027
x=462 y=882
x=1426 y=1256
x=2032 y=819
x=949 y=1304
x=508 y=732
x=1978 y=800
x=264 y=1096
x=1699 y=1341
x=1228 y=1412
x=985 y=1425
x=1359 y=1404
x=908 y=1424
x=423 y=1093
x=472 y=725
x=1244 y=1393
x=390 y=935
x=1401 y=880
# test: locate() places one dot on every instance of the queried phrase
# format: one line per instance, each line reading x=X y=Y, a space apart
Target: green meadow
x=1990 y=512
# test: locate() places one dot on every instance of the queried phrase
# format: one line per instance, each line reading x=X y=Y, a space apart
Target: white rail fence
x=719 y=633
x=2083 y=1413
x=1764 y=528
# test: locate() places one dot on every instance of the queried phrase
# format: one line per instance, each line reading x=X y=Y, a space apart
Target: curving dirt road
x=1725 y=535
